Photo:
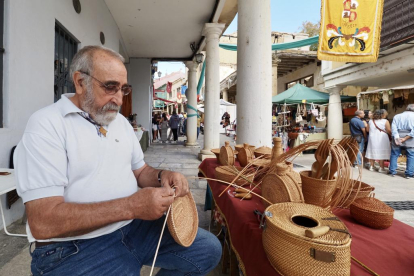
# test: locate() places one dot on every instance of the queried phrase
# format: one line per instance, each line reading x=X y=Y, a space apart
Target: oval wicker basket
x=246 y=155
x=372 y=212
x=240 y=146
x=216 y=153
x=227 y=155
x=227 y=173
x=280 y=187
x=266 y=151
x=317 y=191
x=364 y=191
x=183 y=220
x=291 y=252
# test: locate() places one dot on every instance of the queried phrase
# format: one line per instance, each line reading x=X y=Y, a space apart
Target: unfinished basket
x=228 y=174
x=372 y=212
x=266 y=151
x=183 y=220
x=358 y=191
x=226 y=156
x=280 y=187
x=291 y=252
x=240 y=146
x=245 y=156
x=317 y=191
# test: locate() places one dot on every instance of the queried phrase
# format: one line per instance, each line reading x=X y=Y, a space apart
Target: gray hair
x=358 y=112
x=410 y=107
x=83 y=60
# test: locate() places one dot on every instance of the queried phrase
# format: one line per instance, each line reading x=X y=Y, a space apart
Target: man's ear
x=78 y=81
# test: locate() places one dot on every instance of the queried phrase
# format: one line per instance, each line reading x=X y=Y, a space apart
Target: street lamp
x=159 y=74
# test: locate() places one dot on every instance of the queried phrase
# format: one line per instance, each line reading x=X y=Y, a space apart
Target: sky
x=285 y=17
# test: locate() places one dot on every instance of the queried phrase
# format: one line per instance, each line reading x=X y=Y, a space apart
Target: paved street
x=14 y=254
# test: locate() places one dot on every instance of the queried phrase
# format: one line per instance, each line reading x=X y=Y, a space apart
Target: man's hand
x=402 y=140
x=177 y=180
x=151 y=203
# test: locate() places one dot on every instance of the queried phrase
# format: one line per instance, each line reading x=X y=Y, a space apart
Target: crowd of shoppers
x=379 y=141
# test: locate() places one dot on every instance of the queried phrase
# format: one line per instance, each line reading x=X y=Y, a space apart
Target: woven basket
x=364 y=191
x=183 y=220
x=216 y=153
x=372 y=212
x=261 y=162
x=226 y=173
x=245 y=156
x=266 y=151
x=290 y=252
x=277 y=149
x=240 y=146
x=227 y=155
x=295 y=175
x=293 y=135
x=317 y=191
x=281 y=187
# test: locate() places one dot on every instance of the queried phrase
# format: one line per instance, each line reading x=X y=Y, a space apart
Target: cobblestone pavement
x=14 y=253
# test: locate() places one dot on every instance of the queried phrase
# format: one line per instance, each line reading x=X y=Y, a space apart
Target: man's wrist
x=159 y=176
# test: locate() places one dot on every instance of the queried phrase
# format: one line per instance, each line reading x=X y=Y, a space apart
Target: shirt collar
x=66 y=106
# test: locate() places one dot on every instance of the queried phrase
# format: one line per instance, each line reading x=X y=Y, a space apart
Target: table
x=387 y=252
x=7 y=184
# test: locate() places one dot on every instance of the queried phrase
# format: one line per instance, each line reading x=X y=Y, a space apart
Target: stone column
x=335 y=113
x=254 y=76
x=192 y=102
x=212 y=32
x=226 y=94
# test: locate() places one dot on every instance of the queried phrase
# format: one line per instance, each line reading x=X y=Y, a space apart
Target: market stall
x=299 y=115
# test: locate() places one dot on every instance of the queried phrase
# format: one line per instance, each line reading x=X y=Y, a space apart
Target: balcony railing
x=397 y=23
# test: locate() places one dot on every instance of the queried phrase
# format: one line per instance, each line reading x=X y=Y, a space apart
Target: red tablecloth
x=387 y=252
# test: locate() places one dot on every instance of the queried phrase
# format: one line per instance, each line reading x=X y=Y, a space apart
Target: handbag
x=381 y=130
x=298 y=116
x=314 y=110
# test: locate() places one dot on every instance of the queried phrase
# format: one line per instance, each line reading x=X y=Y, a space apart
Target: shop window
x=1 y=63
x=66 y=47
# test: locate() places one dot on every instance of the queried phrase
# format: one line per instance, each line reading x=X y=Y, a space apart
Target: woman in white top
x=379 y=147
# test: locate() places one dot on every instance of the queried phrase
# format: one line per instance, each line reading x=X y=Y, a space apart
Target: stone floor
x=14 y=251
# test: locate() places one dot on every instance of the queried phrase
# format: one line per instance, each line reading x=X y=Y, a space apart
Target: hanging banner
x=350 y=30
x=169 y=86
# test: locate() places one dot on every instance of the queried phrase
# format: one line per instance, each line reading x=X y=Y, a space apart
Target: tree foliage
x=312 y=29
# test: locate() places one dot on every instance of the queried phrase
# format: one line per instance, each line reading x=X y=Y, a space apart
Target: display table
x=387 y=252
x=7 y=184
x=308 y=137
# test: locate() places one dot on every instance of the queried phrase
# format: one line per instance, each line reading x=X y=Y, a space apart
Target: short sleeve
x=137 y=160
x=40 y=166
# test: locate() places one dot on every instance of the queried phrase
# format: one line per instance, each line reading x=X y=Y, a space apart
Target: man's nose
x=118 y=97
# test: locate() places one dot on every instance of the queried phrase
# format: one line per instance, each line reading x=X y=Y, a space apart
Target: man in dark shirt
x=358 y=131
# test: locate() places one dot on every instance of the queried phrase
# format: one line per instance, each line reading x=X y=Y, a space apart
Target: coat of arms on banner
x=350 y=30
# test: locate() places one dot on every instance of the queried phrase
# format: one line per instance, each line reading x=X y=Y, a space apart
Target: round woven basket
x=240 y=146
x=281 y=187
x=364 y=191
x=266 y=151
x=317 y=191
x=183 y=220
x=216 y=153
x=291 y=252
x=245 y=156
x=372 y=212
x=227 y=173
x=226 y=156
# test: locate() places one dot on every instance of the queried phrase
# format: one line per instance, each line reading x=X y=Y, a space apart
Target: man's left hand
x=177 y=180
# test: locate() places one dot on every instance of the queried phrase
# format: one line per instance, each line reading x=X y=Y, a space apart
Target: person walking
x=155 y=123
x=379 y=147
x=358 y=131
x=164 y=128
x=174 y=124
x=402 y=129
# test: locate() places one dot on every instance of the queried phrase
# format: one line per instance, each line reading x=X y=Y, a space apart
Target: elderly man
x=402 y=129
x=358 y=131
x=79 y=166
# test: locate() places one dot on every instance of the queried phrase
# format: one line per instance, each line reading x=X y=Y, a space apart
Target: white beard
x=99 y=115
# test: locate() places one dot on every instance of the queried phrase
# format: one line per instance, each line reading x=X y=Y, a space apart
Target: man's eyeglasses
x=112 y=89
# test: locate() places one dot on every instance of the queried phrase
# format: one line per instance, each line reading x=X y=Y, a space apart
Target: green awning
x=297 y=93
x=279 y=46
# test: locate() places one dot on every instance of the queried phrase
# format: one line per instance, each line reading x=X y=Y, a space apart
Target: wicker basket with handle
x=291 y=252
x=372 y=212
x=226 y=156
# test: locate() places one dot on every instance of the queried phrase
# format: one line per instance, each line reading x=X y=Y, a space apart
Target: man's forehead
x=108 y=65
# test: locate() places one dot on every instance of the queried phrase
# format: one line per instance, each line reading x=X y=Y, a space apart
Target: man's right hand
x=151 y=203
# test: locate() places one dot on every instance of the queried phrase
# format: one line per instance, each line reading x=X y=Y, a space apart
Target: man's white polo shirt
x=61 y=154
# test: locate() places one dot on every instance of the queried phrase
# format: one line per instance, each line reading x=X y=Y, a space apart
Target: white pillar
x=192 y=102
x=212 y=32
x=335 y=113
x=226 y=94
x=254 y=75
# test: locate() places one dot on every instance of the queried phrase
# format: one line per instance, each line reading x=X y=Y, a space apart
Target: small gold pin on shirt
x=103 y=131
